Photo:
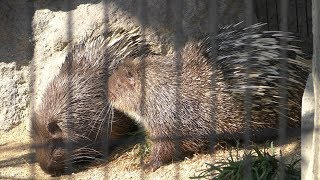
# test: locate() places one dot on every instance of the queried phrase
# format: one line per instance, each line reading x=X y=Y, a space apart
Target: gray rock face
x=16 y=32
x=16 y=51
x=14 y=95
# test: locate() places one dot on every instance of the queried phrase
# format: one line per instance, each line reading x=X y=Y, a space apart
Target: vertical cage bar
x=316 y=85
x=307 y=17
x=213 y=32
x=248 y=95
x=69 y=32
x=283 y=102
x=297 y=16
x=32 y=83
x=105 y=141
x=267 y=15
x=142 y=16
x=276 y=2
x=178 y=43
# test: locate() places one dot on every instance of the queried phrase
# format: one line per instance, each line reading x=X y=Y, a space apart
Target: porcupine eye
x=53 y=128
x=55 y=144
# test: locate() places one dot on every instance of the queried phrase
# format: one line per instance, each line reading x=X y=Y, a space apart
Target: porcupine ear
x=130 y=75
x=131 y=70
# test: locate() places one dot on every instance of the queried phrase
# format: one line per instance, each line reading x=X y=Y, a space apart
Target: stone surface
x=15 y=32
x=16 y=51
x=14 y=95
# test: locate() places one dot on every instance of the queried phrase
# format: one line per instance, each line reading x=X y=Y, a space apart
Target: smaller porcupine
x=74 y=117
x=167 y=115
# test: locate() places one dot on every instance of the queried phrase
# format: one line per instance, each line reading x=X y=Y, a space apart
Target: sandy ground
x=17 y=162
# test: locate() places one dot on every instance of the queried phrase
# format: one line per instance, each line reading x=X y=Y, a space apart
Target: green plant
x=260 y=164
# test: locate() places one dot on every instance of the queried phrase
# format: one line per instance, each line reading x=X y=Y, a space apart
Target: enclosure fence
x=301 y=17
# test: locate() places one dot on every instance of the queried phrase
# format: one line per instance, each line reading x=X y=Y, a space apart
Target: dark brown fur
x=177 y=111
x=74 y=122
x=164 y=116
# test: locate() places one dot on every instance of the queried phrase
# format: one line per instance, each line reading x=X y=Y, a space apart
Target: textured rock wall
x=16 y=51
x=14 y=95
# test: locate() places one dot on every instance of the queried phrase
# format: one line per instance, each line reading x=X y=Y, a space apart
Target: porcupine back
x=240 y=48
x=178 y=105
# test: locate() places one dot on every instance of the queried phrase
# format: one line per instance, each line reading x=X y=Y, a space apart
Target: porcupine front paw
x=161 y=153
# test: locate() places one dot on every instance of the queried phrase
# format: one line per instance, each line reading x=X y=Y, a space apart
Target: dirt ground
x=17 y=162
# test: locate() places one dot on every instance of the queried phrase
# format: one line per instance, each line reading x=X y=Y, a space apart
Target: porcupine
x=167 y=115
x=74 y=107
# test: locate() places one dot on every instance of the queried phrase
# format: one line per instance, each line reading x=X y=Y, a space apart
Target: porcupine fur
x=167 y=115
x=74 y=118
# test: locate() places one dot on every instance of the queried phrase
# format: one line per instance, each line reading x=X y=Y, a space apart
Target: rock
x=14 y=95
x=16 y=51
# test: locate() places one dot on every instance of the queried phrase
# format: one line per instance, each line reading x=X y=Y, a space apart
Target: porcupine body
x=74 y=117
x=181 y=107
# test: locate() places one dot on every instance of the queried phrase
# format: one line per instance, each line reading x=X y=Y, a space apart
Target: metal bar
x=69 y=32
x=248 y=96
x=213 y=31
x=32 y=83
x=142 y=16
x=307 y=20
x=297 y=16
x=283 y=104
x=105 y=141
x=178 y=43
x=316 y=85
x=277 y=14
x=267 y=15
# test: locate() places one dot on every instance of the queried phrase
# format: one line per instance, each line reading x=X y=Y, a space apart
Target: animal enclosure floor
x=17 y=162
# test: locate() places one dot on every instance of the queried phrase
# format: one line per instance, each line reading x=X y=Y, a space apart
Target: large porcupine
x=74 y=117
x=174 y=109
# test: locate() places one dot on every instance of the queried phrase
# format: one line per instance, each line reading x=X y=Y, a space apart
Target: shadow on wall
x=16 y=31
x=62 y=5
x=159 y=14
x=195 y=13
x=16 y=20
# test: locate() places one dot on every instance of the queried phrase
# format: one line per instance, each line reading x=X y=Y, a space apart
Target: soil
x=17 y=161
